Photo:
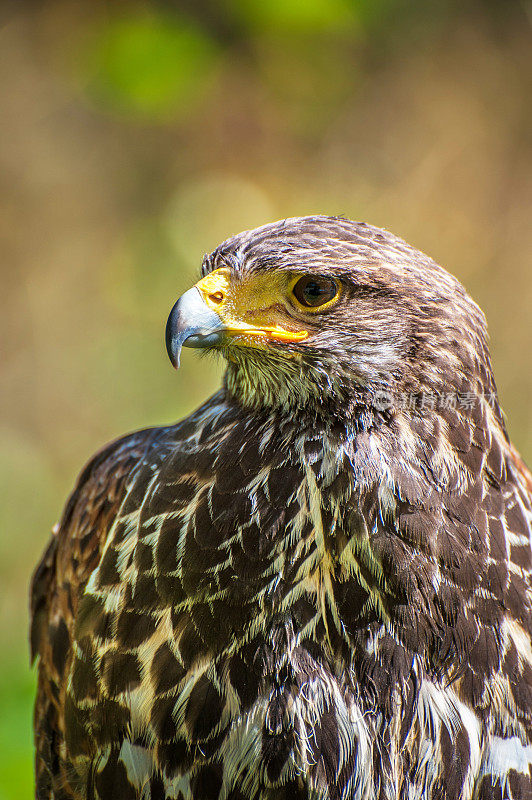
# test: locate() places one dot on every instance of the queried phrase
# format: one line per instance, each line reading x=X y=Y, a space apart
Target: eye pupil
x=314 y=292
x=313 y=289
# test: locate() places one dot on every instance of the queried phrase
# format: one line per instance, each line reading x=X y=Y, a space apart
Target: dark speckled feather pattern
x=293 y=593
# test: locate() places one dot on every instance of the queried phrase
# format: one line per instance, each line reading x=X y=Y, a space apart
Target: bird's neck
x=306 y=395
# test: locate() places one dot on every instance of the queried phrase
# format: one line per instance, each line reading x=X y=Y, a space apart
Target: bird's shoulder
x=77 y=542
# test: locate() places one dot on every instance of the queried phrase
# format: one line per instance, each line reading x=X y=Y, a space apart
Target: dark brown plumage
x=318 y=585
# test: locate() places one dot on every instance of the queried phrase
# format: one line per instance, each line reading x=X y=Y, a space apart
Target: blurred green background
x=135 y=136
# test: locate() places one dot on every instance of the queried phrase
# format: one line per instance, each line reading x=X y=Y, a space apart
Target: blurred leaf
x=154 y=66
x=374 y=19
x=305 y=16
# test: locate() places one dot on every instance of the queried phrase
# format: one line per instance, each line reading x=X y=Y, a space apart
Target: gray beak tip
x=173 y=345
x=191 y=319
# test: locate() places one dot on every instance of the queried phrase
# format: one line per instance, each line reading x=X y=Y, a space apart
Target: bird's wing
x=497 y=679
x=71 y=555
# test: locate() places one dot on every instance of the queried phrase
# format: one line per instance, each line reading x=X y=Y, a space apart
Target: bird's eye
x=313 y=292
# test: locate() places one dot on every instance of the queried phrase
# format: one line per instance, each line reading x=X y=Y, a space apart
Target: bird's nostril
x=216 y=297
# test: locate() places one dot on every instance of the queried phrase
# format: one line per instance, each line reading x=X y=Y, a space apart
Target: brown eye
x=313 y=291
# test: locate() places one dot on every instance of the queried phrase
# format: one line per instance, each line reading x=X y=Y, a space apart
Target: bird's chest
x=244 y=535
x=257 y=550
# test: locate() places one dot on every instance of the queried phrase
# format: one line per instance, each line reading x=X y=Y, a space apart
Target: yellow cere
x=250 y=307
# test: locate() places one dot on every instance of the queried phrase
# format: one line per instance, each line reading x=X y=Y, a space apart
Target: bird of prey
x=318 y=585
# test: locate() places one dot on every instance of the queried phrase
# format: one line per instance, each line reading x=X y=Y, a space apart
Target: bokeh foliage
x=137 y=135
x=151 y=65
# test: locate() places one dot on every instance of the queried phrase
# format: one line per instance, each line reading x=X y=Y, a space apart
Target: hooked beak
x=203 y=317
x=191 y=324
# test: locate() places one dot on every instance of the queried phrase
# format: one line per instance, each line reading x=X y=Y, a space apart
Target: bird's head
x=325 y=313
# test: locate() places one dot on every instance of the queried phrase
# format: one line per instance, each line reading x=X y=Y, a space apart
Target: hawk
x=318 y=585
